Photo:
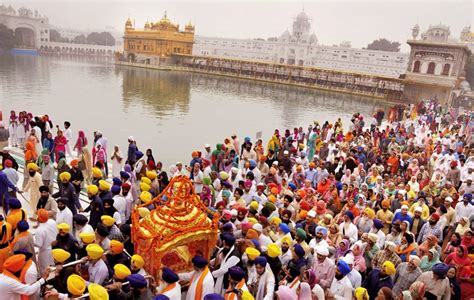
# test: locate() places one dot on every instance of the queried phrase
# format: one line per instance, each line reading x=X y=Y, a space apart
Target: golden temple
x=156 y=42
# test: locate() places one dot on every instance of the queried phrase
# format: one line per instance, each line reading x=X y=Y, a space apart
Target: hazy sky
x=333 y=21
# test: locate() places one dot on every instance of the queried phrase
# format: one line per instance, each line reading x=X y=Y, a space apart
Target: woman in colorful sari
x=459 y=259
x=81 y=142
x=428 y=261
x=407 y=247
x=359 y=260
x=48 y=144
x=59 y=144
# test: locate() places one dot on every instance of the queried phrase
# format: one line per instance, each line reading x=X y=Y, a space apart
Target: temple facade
x=436 y=67
x=156 y=42
x=300 y=47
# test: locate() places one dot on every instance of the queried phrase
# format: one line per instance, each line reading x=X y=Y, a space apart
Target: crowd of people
x=371 y=211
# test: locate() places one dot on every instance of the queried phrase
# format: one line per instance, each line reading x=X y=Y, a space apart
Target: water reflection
x=162 y=92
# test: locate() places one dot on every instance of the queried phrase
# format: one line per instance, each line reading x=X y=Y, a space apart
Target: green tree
x=383 y=44
x=7 y=38
x=103 y=39
x=54 y=36
x=80 y=39
x=470 y=70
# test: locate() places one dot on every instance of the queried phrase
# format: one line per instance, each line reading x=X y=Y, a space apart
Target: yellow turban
x=137 y=261
x=151 y=174
x=370 y=213
x=92 y=189
x=273 y=250
x=146 y=180
x=373 y=237
x=65 y=176
x=144 y=187
x=96 y=173
x=275 y=220
x=60 y=255
x=286 y=239
x=272 y=198
x=121 y=271
x=87 y=237
x=252 y=253
x=32 y=166
x=97 y=292
x=143 y=212
x=389 y=268
x=107 y=220
x=303 y=214
x=94 y=251
x=361 y=294
x=252 y=221
x=64 y=227
x=76 y=285
x=254 y=205
x=223 y=175
x=104 y=185
x=145 y=196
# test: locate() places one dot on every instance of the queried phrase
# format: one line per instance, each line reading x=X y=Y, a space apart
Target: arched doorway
x=446 y=69
x=431 y=68
x=416 y=67
x=25 y=38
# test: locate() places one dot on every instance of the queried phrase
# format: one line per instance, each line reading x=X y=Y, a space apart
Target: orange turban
x=74 y=163
x=274 y=191
x=116 y=246
x=15 y=263
x=252 y=234
x=385 y=203
x=42 y=215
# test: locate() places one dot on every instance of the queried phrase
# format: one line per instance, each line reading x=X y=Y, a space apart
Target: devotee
x=323 y=268
x=226 y=258
x=170 y=286
x=406 y=274
x=379 y=278
x=44 y=236
x=436 y=283
x=341 y=287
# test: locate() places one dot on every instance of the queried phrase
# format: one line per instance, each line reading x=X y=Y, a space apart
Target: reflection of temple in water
x=291 y=99
x=162 y=92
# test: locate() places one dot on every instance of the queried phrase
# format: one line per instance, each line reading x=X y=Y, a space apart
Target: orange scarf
x=231 y=296
x=294 y=282
x=169 y=288
x=198 y=294
x=406 y=251
x=17 y=237
x=23 y=276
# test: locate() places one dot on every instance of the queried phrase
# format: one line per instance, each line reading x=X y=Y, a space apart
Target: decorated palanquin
x=177 y=230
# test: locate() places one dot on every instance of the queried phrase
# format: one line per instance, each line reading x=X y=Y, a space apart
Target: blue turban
x=284 y=227
x=261 y=261
x=378 y=224
x=169 y=276
x=292 y=186
x=117 y=181
x=213 y=296
x=256 y=243
x=199 y=261
x=343 y=267
x=468 y=197
x=137 y=281
x=350 y=215
x=321 y=229
x=299 y=250
x=161 y=297
x=227 y=227
x=253 y=163
x=14 y=203
x=28 y=255
x=23 y=226
x=247 y=139
x=299 y=225
x=236 y=273
x=139 y=154
x=226 y=193
x=124 y=174
x=115 y=189
x=227 y=184
x=229 y=239
x=440 y=269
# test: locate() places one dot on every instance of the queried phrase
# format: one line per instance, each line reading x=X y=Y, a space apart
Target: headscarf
x=340 y=252
x=417 y=290
x=426 y=264
x=305 y=291
x=285 y=293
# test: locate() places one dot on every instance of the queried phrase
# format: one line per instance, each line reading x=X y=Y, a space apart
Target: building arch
x=416 y=66
x=446 y=69
x=431 y=68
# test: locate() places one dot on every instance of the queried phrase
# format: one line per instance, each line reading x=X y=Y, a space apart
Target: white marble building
x=300 y=47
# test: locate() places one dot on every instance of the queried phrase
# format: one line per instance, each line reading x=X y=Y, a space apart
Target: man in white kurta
x=347 y=228
x=169 y=285
x=226 y=258
x=45 y=235
x=341 y=287
x=12 y=289
x=199 y=279
x=263 y=283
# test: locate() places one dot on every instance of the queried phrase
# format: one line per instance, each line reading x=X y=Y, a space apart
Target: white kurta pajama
x=226 y=263
x=265 y=284
x=45 y=235
x=174 y=293
x=12 y=289
x=194 y=277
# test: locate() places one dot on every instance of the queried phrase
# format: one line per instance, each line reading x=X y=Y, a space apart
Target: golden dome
x=165 y=20
x=128 y=23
